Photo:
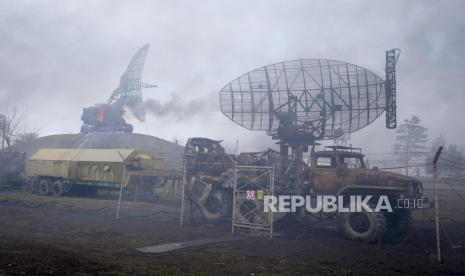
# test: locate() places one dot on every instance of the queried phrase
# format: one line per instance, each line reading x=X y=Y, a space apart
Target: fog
x=57 y=57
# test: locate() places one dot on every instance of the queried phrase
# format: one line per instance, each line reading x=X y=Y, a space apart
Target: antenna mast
x=390 y=88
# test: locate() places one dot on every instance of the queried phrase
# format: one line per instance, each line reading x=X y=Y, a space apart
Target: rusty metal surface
x=325 y=181
x=337 y=175
x=209 y=168
x=206 y=157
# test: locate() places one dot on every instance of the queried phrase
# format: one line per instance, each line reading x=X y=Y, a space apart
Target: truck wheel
x=44 y=187
x=364 y=226
x=398 y=223
x=217 y=207
x=56 y=188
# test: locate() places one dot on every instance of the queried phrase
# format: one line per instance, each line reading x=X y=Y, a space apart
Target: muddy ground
x=75 y=235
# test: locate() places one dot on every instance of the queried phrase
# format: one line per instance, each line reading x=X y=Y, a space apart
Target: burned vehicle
x=209 y=171
x=109 y=116
x=104 y=118
x=342 y=171
x=339 y=171
x=209 y=174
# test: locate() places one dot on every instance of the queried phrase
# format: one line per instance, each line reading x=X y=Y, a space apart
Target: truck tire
x=398 y=223
x=43 y=187
x=364 y=226
x=56 y=188
x=217 y=207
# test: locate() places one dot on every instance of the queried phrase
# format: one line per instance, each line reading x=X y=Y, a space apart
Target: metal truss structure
x=251 y=184
x=391 y=89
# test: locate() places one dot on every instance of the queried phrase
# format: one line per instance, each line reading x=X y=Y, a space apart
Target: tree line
x=413 y=149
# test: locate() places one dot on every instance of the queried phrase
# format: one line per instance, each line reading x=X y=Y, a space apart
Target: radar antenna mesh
x=129 y=91
x=305 y=99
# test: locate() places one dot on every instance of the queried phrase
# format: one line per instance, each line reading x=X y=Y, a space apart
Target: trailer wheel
x=56 y=188
x=44 y=187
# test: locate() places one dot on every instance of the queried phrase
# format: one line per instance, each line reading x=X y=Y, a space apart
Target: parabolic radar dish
x=129 y=90
x=319 y=98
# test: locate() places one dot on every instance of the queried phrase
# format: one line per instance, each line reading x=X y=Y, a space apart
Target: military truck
x=57 y=171
x=343 y=171
x=333 y=171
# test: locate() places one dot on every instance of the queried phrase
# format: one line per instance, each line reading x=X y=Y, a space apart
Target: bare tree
x=13 y=125
x=3 y=129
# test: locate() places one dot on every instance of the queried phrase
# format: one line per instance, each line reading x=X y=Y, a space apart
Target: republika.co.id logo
x=331 y=203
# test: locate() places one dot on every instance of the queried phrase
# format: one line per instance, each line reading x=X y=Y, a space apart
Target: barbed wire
x=382 y=153
x=454 y=157
x=456 y=177
x=456 y=192
x=450 y=165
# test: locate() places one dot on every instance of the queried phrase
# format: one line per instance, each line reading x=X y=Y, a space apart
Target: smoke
x=179 y=109
x=41 y=57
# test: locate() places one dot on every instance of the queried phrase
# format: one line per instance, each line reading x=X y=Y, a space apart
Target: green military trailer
x=57 y=171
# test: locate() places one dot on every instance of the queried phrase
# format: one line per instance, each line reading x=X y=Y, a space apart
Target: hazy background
x=57 y=57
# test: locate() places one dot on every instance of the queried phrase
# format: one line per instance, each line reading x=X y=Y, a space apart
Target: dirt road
x=69 y=235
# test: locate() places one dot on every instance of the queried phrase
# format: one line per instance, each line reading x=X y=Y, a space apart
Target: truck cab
x=332 y=168
x=338 y=170
x=343 y=171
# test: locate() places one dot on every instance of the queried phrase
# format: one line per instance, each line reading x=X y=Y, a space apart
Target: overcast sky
x=57 y=57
